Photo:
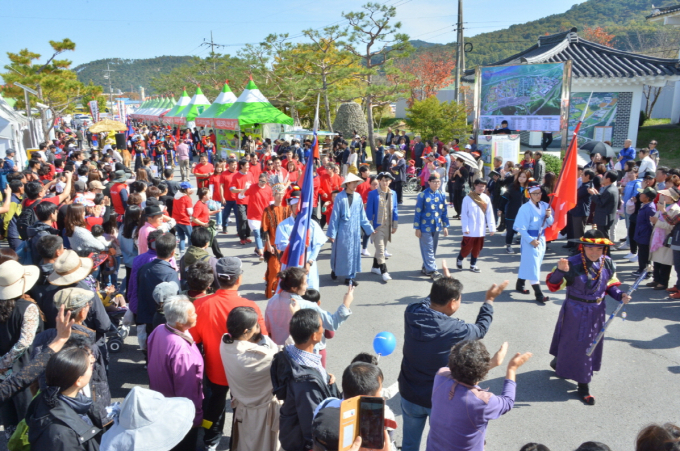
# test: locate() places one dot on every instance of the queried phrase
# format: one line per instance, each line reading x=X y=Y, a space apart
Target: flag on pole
x=294 y=255
x=130 y=131
x=564 y=197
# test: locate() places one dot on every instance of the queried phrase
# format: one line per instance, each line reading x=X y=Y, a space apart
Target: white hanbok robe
x=529 y=223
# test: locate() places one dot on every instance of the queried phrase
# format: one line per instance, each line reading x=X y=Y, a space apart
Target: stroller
x=118 y=331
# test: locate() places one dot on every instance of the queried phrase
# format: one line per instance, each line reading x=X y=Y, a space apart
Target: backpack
x=25 y=253
x=26 y=219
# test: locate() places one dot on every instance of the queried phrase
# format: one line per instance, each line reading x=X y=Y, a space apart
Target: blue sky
x=149 y=28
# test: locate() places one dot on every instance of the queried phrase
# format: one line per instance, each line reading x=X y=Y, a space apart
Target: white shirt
x=647 y=165
x=474 y=221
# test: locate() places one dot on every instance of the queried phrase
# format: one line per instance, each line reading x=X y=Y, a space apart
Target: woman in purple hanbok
x=588 y=276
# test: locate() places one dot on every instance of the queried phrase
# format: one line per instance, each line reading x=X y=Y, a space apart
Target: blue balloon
x=384 y=343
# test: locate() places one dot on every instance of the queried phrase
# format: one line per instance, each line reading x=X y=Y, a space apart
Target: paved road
x=641 y=359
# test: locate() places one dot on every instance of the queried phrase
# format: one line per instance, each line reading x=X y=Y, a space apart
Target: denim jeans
x=229 y=206
x=258 y=239
x=414 y=417
x=184 y=235
x=428 y=249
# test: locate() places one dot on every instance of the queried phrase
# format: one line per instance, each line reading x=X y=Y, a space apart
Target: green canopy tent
x=198 y=104
x=251 y=108
x=179 y=106
x=221 y=104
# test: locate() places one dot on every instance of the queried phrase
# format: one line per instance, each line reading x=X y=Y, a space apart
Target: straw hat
x=148 y=421
x=352 y=178
x=69 y=269
x=16 y=279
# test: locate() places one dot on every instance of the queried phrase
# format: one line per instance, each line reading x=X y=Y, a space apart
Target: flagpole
x=559 y=178
x=310 y=160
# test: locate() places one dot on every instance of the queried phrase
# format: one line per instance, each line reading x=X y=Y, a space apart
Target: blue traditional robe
x=316 y=241
x=529 y=224
x=345 y=228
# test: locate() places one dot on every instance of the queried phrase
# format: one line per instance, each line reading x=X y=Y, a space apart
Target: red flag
x=315 y=149
x=564 y=197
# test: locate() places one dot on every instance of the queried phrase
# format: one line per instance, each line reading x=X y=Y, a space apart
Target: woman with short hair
x=461 y=409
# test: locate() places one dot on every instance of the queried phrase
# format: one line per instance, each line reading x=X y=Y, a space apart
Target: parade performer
x=381 y=210
x=272 y=216
x=344 y=231
x=315 y=240
x=431 y=217
x=530 y=222
x=588 y=276
x=476 y=215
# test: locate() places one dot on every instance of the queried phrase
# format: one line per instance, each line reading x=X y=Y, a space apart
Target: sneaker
x=459 y=264
x=475 y=269
x=637 y=273
x=509 y=250
x=249 y=240
x=630 y=255
x=675 y=295
x=387 y=254
x=633 y=259
x=623 y=247
x=422 y=271
x=224 y=230
x=386 y=276
x=376 y=271
x=435 y=275
x=673 y=290
x=352 y=281
x=561 y=236
x=365 y=253
x=651 y=284
x=243 y=241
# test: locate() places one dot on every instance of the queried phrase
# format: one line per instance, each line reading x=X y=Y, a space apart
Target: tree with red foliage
x=598 y=35
x=428 y=74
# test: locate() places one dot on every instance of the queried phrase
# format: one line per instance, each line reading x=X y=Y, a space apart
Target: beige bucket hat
x=16 y=279
x=69 y=269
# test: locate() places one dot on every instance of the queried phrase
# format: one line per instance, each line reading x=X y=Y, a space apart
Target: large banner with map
x=600 y=119
x=531 y=97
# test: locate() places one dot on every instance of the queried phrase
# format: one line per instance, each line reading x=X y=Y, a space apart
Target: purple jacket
x=460 y=413
x=137 y=263
x=176 y=367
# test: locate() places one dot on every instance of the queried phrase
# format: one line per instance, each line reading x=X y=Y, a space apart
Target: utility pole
x=108 y=75
x=460 y=52
x=212 y=46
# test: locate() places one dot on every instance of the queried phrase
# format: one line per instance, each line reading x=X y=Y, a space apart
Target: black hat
x=384 y=175
x=152 y=210
x=492 y=173
x=648 y=176
x=326 y=428
x=593 y=237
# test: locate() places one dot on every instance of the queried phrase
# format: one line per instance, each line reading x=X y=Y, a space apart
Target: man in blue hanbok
x=431 y=218
x=316 y=240
x=344 y=231
x=531 y=221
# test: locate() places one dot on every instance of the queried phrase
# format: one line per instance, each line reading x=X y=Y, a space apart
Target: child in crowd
x=312 y=295
x=411 y=169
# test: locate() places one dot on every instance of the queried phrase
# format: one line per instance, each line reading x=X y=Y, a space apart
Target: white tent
x=14 y=133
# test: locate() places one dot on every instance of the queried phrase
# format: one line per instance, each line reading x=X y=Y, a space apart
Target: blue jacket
x=373 y=205
x=631 y=190
x=428 y=339
x=643 y=226
x=150 y=275
x=627 y=154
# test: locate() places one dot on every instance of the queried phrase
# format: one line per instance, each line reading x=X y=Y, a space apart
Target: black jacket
x=515 y=198
x=301 y=389
x=35 y=232
x=150 y=275
x=583 y=197
x=99 y=383
x=606 y=204
x=428 y=338
x=53 y=425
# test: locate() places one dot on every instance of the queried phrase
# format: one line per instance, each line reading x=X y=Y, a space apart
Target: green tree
x=329 y=64
x=58 y=86
x=94 y=92
x=375 y=38
x=429 y=118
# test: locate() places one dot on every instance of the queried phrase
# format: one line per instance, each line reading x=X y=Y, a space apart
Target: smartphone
x=372 y=422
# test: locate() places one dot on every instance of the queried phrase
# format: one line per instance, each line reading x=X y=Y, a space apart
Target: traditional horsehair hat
x=593 y=237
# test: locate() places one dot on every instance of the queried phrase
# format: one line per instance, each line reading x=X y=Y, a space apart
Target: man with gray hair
x=175 y=362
